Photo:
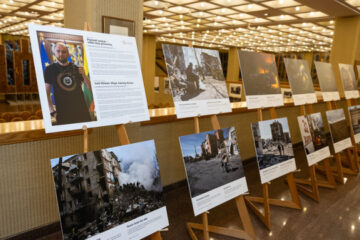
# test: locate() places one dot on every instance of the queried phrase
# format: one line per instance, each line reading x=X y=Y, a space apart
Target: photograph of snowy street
x=272 y=142
x=212 y=159
x=194 y=73
x=100 y=190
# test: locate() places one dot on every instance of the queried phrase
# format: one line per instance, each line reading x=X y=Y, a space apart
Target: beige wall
x=77 y=12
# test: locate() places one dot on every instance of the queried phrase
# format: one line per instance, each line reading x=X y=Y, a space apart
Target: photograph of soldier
x=99 y=190
x=337 y=124
x=299 y=76
x=272 y=142
x=355 y=118
x=211 y=159
x=347 y=75
x=67 y=80
x=194 y=73
x=326 y=77
x=312 y=132
x=259 y=73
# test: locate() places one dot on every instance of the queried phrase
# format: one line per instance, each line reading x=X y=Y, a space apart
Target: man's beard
x=64 y=61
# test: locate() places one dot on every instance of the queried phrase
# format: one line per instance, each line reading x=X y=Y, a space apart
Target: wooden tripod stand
x=265 y=199
x=248 y=232
x=314 y=183
x=338 y=171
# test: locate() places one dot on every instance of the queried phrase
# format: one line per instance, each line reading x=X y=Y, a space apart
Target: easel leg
x=266 y=221
x=206 y=226
x=244 y=216
x=315 y=187
x=328 y=173
x=293 y=191
x=340 y=174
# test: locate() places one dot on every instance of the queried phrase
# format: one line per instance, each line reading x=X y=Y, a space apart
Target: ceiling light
x=201 y=13
x=281 y=1
x=266 y=14
x=161 y=12
x=223 y=10
x=179 y=8
x=181 y=16
x=156 y=3
x=331 y=21
x=297 y=8
x=202 y=4
x=199 y=20
x=250 y=6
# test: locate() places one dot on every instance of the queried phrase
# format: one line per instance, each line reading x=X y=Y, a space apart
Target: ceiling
x=265 y=25
x=15 y=15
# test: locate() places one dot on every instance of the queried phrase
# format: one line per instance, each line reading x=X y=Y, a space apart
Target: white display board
x=113 y=193
x=197 y=81
x=339 y=130
x=274 y=151
x=260 y=79
x=348 y=80
x=327 y=81
x=314 y=138
x=213 y=167
x=300 y=80
x=86 y=78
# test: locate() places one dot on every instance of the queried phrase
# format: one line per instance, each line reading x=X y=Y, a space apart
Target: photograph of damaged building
x=212 y=159
x=194 y=73
x=100 y=190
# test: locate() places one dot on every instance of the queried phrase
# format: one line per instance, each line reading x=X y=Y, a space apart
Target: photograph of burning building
x=194 y=73
x=355 y=118
x=337 y=124
x=326 y=77
x=259 y=73
x=299 y=76
x=272 y=142
x=211 y=159
x=97 y=191
x=347 y=75
x=312 y=132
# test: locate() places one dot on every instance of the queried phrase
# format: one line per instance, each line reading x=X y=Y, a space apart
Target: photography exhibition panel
x=314 y=138
x=260 y=79
x=339 y=130
x=87 y=78
x=274 y=150
x=112 y=193
x=327 y=81
x=354 y=112
x=348 y=80
x=300 y=80
x=197 y=81
x=213 y=166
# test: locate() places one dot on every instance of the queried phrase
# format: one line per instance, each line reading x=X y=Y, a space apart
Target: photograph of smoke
x=99 y=190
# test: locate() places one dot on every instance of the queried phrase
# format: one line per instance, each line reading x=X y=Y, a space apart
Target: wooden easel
x=295 y=200
x=123 y=139
x=339 y=170
x=314 y=183
x=247 y=233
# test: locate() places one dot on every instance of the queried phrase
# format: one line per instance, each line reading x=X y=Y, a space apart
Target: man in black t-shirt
x=66 y=79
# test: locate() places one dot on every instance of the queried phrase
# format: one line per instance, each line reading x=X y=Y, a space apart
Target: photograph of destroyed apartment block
x=259 y=73
x=337 y=124
x=212 y=159
x=355 y=118
x=100 y=190
x=312 y=132
x=272 y=142
x=194 y=73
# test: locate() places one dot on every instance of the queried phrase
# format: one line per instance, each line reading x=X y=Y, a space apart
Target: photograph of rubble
x=337 y=124
x=272 y=142
x=355 y=118
x=299 y=76
x=259 y=73
x=326 y=77
x=212 y=159
x=347 y=75
x=100 y=190
x=312 y=132
x=194 y=73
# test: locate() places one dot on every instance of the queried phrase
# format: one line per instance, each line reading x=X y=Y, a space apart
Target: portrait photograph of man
x=67 y=80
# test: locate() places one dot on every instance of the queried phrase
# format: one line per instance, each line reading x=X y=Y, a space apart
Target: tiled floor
x=337 y=216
